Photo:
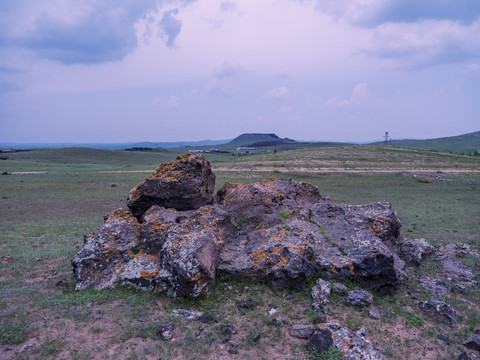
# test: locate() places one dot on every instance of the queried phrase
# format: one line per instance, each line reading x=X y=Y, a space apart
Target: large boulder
x=364 y=236
x=104 y=254
x=191 y=251
x=280 y=231
x=286 y=233
x=184 y=184
x=172 y=251
x=267 y=244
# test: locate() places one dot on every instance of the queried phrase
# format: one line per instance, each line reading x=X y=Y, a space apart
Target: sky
x=176 y=70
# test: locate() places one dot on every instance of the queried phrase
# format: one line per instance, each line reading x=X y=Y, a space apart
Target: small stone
x=320 y=341
x=142 y=319
x=289 y=297
x=165 y=331
x=376 y=313
x=473 y=342
x=247 y=304
x=358 y=298
x=221 y=347
x=465 y=356
x=272 y=312
x=205 y=318
x=444 y=338
x=413 y=293
x=458 y=288
x=440 y=311
x=226 y=339
x=322 y=318
x=256 y=338
x=24 y=348
x=302 y=331
x=229 y=329
x=321 y=292
x=187 y=314
x=197 y=333
x=278 y=322
x=339 y=289
x=433 y=285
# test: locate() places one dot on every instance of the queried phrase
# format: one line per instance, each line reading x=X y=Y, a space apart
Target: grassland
x=52 y=197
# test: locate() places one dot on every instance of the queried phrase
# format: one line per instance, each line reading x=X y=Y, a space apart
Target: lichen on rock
x=174 y=239
x=184 y=184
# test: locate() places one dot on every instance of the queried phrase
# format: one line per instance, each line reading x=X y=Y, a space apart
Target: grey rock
x=302 y=331
x=190 y=254
x=444 y=338
x=458 y=250
x=465 y=356
x=339 y=289
x=165 y=331
x=229 y=329
x=433 y=285
x=459 y=288
x=105 y=254
x=205 y=318
x=457 y=271
x=187 y=314
x=24 y=348
x=320 y=341
x=184 y=184
x=278 y=322
x=286 y=233
x=376 y=313
x=269 y=244
x=358 y=298
x=321 y=292
x=365 y=237
x=473 y=342
x=414 y=251
x=440 y=311
x=247 y=304
x=280 y=231
x=353 y=345
x=256 y=338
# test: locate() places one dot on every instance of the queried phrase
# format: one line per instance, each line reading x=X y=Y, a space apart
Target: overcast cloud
x=166 y=70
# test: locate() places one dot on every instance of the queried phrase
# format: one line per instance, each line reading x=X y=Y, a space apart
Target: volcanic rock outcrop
x=176 y=237
x=185 y=184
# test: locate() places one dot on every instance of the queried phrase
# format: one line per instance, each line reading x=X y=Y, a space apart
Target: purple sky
x=165 y=70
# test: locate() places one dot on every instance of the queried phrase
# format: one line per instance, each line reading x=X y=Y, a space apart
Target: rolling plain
x=49 y=198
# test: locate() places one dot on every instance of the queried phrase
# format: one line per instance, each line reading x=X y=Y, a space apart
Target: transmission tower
x=388 y=139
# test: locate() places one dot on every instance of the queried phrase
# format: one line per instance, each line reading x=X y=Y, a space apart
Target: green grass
x=43 y=218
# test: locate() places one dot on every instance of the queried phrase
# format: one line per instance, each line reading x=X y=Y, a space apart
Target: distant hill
x=466 y=143
x=257 y=140
x=113 y=146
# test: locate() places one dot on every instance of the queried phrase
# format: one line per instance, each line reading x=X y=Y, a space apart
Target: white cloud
x=230 y=69
x=277 y=93
x=370 y=13
x=427 y=42
x=360 y=96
